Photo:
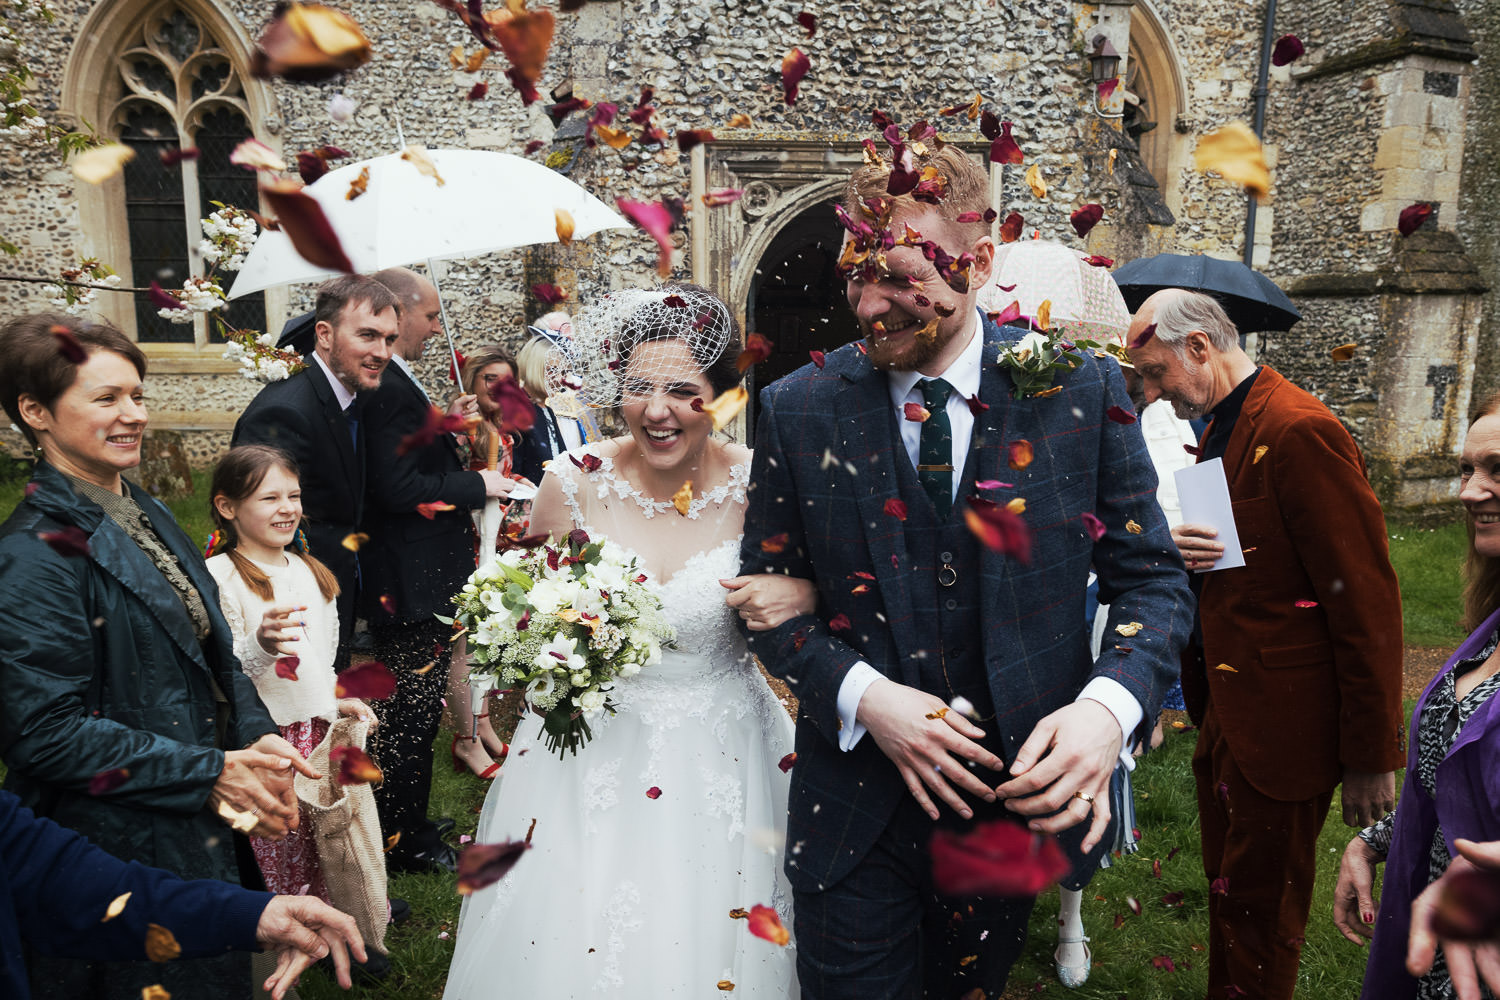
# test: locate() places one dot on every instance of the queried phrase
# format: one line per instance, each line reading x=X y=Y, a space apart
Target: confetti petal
x=1004 y=148
x=654 y=218
x=1143 y=339
x=68 y=345
x=1226 y=668
x=1093 y=526
x=354 y=540
x=1020 y=454
x=916 y=412
x=369 y=681
x=1235 y=154
x=840 y=623
x=1010 y=229
x=1128 y=629
x=161 y=944
x=1304 y=604
x=757 y=349
x=719 y=197
x=418 y=157
x=1035 y=181
x=97 y=165
x=896 y=507
x=683 y=498
x=998 y=528
x=818 y=358
x=997 y=858
x=776 y=543
x=70 y=541
x=1287 y=49
x=1343 y=352
x=653 y=793
x=809 y=22
x=116 y=907
x=1086 y=218
x=786 y=763
x=480 y=865
x=687 y=138
x=1412 y=217
x=432 y=508
x=794 y=66
x=548 y=294
x=764 y=923
x=286 y=667
x=1120 y=415
x=1260 y=453
x=354 y=766
x=304 y=223
x=727 y=405
x=308 y=42
x=107 y=781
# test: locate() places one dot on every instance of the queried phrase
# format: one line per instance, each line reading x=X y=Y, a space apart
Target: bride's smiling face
x=658 y=388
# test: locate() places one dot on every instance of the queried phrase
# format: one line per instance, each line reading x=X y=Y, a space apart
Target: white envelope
x=1204 y=494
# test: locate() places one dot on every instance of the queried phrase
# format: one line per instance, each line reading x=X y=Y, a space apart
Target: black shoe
x=441 y=858
x=400 y=910
x=444 y=825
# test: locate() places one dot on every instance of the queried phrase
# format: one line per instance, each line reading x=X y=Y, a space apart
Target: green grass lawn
x=1427 y=562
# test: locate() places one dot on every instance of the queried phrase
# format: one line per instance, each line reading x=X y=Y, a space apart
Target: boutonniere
x=1035 y=359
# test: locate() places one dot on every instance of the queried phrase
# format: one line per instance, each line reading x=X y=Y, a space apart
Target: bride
x=674 y=814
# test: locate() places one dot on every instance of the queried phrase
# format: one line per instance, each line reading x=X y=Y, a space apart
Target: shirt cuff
x=859 y=677
x=1121 y=704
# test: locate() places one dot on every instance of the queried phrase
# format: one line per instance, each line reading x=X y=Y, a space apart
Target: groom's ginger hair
x=968 y=191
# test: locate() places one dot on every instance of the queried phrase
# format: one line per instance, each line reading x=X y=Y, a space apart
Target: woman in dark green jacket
x=123 y=711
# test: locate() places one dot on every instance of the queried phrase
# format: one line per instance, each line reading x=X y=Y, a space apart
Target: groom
x=915 y=613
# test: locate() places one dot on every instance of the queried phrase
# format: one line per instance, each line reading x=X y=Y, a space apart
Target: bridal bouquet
x=563 y=621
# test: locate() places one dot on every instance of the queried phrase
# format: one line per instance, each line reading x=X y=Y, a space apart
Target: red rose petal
x=1144 y=338
x=70 y=541
x=304 y=223
x=998 y=529
x=371 y=681
x=998 y=858
x=764 y=923
x=1010 y=229
x=1287 y=49
x=1086 y=218
x=354 y=766
x=107 y=781
x=1020 y=454
x=1093 y=526
x=653 y=792
x=794 y=66
x=809 y=22
x=757 y=349
x=1120 y=415
x=654 y=218
x=1412 y=218
x=896 y=507
x=485 y=864
x=818 y=358
x=286 y=667
x=786 y=763
x=840 y=623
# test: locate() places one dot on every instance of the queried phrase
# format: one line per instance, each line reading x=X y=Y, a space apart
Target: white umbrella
x=1086 y=302
x=488 y=201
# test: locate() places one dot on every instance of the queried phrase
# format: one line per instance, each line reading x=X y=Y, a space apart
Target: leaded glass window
x=177 y=87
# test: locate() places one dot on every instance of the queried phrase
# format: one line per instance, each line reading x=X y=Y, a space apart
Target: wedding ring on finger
x=1085 y=796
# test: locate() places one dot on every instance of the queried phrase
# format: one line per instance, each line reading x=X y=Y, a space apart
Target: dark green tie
x=935 y=447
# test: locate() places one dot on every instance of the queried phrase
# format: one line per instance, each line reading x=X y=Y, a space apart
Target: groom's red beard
x=903 y=350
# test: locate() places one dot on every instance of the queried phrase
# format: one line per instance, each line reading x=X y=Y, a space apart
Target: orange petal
x=1343 y=352
x=727 y=405
x=1234 y=153
x=161 y=945
x=1034 y=180
x=564 y=220
x=683 y=498
x=116 y=907
x=764 y=923
x=354 y=540
x=1260 y=453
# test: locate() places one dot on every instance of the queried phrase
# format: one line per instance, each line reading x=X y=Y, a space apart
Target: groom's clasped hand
x=1060 y=775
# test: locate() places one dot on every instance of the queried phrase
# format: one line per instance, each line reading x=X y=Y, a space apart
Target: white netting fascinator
x=606 y=334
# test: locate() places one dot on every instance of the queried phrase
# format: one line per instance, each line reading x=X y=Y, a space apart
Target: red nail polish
x=1368 y=918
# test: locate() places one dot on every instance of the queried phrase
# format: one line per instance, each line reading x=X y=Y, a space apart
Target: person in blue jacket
x=57 y=891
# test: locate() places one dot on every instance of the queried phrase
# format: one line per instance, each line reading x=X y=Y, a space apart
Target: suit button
x=951 y=604
x=946 y=557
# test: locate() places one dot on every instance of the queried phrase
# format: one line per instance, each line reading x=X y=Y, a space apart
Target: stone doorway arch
x=796 y=298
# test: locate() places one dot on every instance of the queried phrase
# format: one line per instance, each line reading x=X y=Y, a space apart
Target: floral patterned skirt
x=290 y=866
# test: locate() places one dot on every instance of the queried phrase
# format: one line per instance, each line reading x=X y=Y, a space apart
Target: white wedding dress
x=624 y=894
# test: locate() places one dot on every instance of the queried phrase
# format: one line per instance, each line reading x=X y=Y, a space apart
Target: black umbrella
x=1251 y=299
x=298 y=334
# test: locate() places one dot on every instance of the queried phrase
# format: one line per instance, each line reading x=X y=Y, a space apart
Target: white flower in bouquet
x=552 y=594
x=560 y=653
x=591 y=701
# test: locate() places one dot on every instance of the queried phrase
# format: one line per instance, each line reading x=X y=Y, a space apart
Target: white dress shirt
x=343 y=395
x=963 y=376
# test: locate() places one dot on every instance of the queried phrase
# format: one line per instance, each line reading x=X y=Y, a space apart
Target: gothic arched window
x=174 y=86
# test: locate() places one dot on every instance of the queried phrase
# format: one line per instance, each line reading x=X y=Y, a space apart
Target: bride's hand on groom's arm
x=929 y=744
x=1066 y=764
x=768 y=600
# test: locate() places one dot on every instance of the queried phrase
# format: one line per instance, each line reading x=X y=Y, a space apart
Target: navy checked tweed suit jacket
x=822 y=473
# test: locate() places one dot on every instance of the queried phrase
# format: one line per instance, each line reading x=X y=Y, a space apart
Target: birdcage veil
x=605 y=335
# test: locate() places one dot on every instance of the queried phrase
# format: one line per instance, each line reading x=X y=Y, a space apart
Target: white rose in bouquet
x=591 y=701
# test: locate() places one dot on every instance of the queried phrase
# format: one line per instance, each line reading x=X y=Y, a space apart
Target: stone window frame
x=92 y=90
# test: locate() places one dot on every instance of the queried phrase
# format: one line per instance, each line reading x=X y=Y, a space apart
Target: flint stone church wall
x=708 y=61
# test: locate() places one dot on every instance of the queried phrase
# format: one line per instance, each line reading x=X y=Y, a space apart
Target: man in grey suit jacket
x=850 y=483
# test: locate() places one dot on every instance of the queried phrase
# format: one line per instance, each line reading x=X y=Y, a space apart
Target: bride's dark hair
x=722 y=371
